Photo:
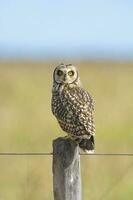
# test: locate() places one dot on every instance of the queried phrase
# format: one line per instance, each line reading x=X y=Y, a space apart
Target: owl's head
x=65 y=74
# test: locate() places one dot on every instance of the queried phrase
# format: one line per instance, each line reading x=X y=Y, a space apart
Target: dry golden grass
x=27 y=125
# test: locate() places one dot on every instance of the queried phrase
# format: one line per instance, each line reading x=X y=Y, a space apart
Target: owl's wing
x=81 y=104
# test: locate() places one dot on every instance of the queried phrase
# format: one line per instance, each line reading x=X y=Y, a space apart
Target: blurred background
x=35 y=36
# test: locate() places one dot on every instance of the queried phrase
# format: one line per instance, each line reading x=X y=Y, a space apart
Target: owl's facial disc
x=65 y=74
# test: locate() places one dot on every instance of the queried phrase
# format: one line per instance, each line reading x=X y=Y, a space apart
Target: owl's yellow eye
x=59 y=72
x=71 y=73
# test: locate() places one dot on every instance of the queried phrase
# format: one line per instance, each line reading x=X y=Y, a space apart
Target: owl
x=73 y=106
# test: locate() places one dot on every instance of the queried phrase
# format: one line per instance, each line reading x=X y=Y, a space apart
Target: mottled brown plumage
x=73 y=106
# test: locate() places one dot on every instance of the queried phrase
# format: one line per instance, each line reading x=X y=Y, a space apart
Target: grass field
x=27 y=125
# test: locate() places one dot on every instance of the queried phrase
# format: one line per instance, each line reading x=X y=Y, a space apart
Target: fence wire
x=50 y=154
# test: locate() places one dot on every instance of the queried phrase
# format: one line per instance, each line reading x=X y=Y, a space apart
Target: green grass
x=27 y=124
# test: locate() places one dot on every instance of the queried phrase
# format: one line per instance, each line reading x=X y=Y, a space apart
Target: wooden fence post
x=66 y=170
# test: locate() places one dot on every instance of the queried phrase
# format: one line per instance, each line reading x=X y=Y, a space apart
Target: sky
x=66 y=28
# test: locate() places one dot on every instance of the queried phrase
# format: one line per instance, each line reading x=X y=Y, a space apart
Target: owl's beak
x=65 y=78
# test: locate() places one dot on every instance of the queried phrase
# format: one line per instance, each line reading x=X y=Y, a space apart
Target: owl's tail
x=87 y=145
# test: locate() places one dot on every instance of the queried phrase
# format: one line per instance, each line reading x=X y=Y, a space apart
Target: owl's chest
x=62 y=106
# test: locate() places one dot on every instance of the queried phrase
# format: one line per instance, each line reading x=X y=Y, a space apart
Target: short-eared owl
x=73 y=106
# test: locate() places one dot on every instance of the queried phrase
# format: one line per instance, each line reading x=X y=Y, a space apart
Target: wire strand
x=107 y=154
x=25 y=154
x=50 y=154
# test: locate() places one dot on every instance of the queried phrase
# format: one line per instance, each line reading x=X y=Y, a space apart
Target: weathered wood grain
x=66 y=170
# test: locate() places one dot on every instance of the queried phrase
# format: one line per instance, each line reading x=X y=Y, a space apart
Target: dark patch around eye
x=69 y=65
x=71 y=73
x=59 y=72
